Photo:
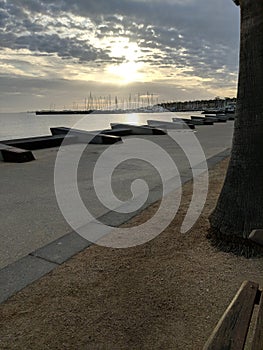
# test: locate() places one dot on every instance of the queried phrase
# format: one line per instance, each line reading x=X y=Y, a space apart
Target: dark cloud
x=64 y=47
x=18 y=30
x=198 y=36
x=153 y=24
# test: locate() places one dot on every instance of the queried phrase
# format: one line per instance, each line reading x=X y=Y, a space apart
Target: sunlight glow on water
x=19 y=125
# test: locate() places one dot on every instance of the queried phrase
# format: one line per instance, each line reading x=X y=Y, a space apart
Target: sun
x=130 y=69
x=126 y=72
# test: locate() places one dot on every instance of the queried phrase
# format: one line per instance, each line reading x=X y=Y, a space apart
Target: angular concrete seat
x=116 y=132
x=197 y=121
x=175 y=124
x=15 y=155
x=138 y=129
x=40 y=142
x=84 y=136
x=218 y=118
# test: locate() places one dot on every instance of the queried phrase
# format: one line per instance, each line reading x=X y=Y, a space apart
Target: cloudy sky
x=54 y=53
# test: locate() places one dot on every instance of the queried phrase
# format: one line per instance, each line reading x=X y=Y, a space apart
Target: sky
x=54 y=54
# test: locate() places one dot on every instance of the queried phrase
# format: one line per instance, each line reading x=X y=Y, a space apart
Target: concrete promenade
x=29 y=213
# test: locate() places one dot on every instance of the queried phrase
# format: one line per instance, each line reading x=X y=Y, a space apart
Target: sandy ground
x=166 y=294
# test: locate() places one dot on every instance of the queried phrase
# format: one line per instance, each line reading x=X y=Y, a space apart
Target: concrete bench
x=40 y=142
x=138 y=129
x=197 y=121
x=231 y=116
x=218 y=118
x=116 y=132
x=84 y=136
x=208 y=118
x=197 y=117
x=14 y=154
x=175 y=124
x=232 y=329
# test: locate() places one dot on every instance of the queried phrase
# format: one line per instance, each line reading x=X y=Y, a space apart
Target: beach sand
x=166 y=294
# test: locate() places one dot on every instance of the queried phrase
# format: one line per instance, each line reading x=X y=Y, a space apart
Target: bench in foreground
x=14 y=154
x=232 y=329
x=40 y=142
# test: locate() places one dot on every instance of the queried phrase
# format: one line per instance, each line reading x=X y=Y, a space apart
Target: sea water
x=20 y=125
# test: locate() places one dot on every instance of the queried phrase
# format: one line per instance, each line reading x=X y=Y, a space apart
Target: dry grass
x=166 y=294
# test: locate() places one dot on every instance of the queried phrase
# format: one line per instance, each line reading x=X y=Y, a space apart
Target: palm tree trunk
x=240 y=205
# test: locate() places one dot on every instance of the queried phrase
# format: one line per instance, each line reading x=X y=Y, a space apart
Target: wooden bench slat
x=231 y=330
x=258 y=335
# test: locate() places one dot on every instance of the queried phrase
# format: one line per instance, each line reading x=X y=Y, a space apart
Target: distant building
x=199 y=105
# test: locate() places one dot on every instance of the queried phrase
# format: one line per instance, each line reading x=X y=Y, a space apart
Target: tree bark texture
x=239 y=209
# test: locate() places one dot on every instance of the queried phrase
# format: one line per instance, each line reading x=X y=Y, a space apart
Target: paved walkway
x=29 y=213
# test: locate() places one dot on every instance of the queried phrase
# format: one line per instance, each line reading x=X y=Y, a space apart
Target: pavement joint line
x=6 y=292
x=47 y=260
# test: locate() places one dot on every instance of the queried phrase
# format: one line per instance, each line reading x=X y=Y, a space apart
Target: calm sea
x=19 y=125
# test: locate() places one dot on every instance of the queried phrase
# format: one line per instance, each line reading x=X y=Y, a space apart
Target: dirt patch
x=166 y=294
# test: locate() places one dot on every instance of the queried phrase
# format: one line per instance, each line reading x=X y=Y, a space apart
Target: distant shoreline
x=48 y=112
